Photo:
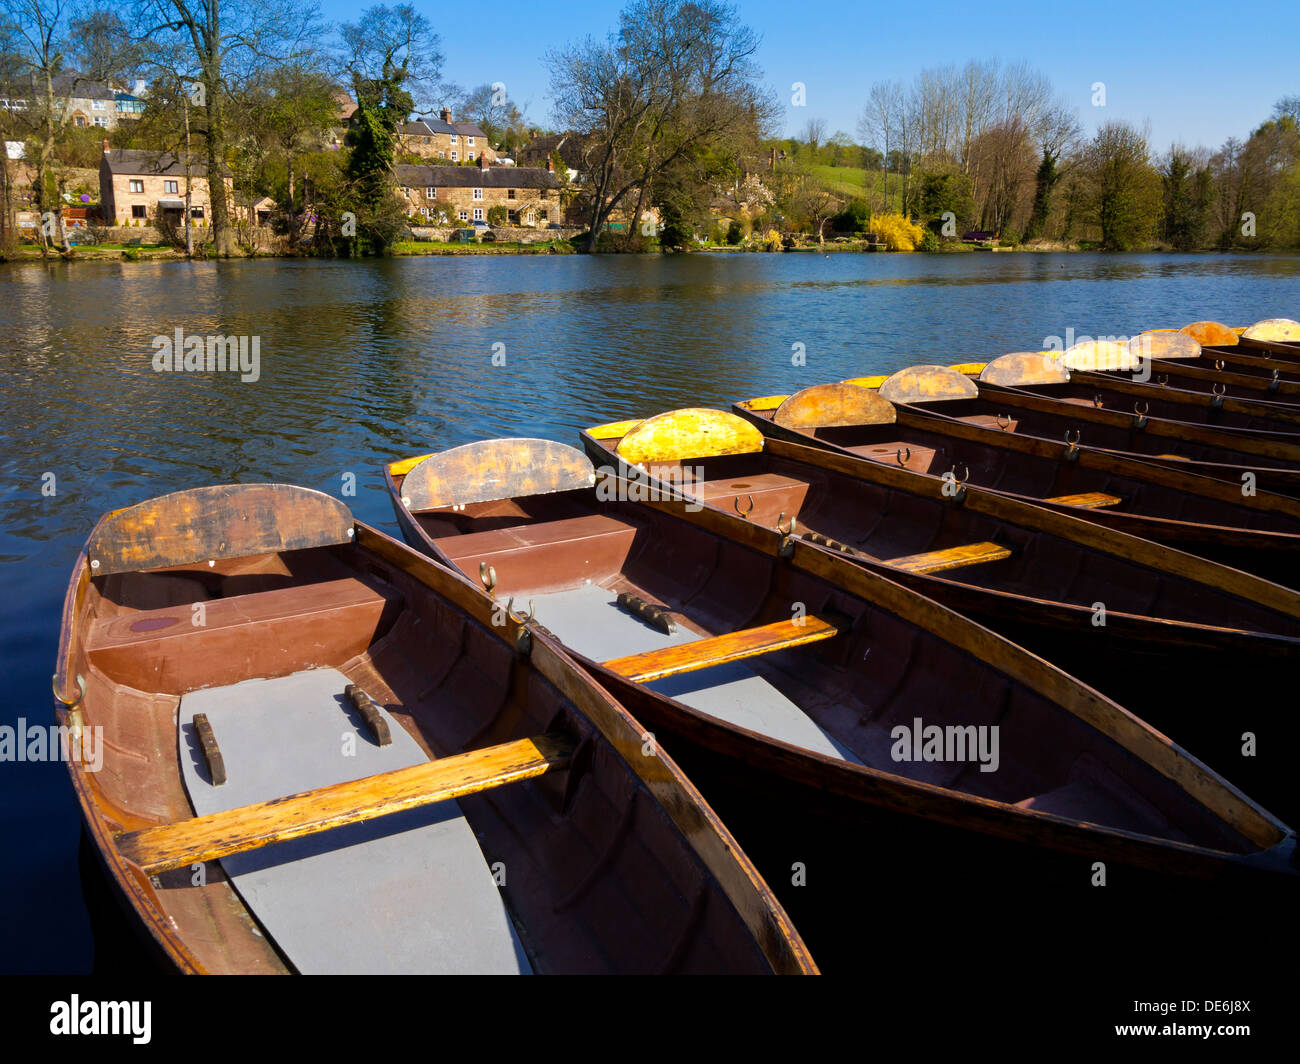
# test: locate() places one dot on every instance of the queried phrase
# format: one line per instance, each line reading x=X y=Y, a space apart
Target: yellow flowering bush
x=772 y=241
x=896 y=232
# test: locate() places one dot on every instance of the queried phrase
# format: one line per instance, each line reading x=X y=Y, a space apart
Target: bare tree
x=814 y=133
x=227 y=43
x=879 y=125
x=674 y=86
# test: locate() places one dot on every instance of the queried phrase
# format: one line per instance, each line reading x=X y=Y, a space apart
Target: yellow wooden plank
x=1093 y=500
x=868 y=382
x=764 y=402
x=718 y=650
x=971 y=369
x=936 y=561
x=251 y=827
x=402 y=467
x=614 y=430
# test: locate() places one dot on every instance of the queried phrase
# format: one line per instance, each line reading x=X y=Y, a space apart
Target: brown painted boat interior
x=880 y=671
x=921 y=444
x=988 y=413
x=1199 y=410
x=600 y=879
x=887 y=524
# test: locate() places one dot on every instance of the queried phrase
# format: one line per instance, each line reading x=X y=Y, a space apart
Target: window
x=454 y=139
x=101 y=121
x=171 y=187
x=546 y=193
x=137 y=186
x=430 y=193
x=464 y=216
x=81 y=120
x=138 y=211
x=546 y=216
x=470 y=156
x=469 y=142
x=441 y=154
x=454 y=156
x=97 y=105
x=196 y=212
x=510 y=193
x=478 y=214
x=478 y=193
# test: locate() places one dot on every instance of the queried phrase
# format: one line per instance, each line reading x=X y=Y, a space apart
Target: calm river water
x=364 y=362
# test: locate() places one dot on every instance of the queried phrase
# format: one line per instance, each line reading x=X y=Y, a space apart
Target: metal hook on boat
x=1218 y=365
x=1219 y=390
x=523 y=637
x=899 y=456
x=1004 y=421
x=1163 y=379
x=748 y=510
x=1072 y=450
x=488 y=575
x=787 y=536
x=1097 y=400
x=1274 y=381
x=81 y=692
x=1140 y=408
x=958 y=492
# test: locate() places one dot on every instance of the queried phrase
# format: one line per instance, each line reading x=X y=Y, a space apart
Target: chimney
x=550 y=165
x=482 y=161
x=106 y=148
x=446 y=114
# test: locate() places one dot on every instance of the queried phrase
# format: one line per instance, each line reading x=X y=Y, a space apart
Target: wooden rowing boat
x=1178 y=360
x=1035 y=576
x=788 y=671
x=1117 y=375
x=1258 y=532
x=319 y=753
x=1268 y=464
x=1274 y=338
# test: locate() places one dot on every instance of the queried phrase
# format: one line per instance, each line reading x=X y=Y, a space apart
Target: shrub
x=772 y=241
x=929 y=241
x=735 y=232
x=896 y=232
x=498 y=215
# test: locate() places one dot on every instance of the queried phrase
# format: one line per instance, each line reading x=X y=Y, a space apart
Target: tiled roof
x=425 y=127
x=474 y=177
x=134 y=161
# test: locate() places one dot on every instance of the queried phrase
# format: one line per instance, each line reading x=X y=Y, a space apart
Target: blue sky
x=1198 y=72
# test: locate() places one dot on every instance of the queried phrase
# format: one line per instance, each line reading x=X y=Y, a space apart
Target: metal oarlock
x=1097 y=401
x=81 y=692
x=903 y=455
x=523 y=637
x=1218 y=365
x=1219 y=390
x=787 y=536
x=960 y=493
x=1072 y=449
x=1163 y=380
x=1274 y=381
x=1140 y=408
x=1004 y=421
x=488 y=575
x=748 y=510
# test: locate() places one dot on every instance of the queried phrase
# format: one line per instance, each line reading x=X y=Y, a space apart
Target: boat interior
x=245 y=673
x=739 y=635
x=928 y=445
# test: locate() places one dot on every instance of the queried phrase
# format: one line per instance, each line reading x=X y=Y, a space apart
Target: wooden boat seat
x=719 y=650
x=270 y=633
x=1092 y=500
x=936 y=561
x=399 y=884
x=588 y=620
x=771 y=494
x=575 y=548
x=919 y=458
x=990 y=421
